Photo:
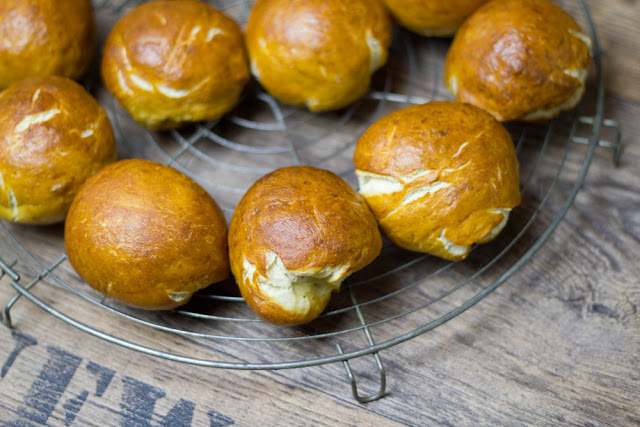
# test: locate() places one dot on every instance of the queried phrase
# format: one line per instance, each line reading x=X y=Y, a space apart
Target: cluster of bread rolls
x=435 y=178
x=142 y=233
x=53 y=134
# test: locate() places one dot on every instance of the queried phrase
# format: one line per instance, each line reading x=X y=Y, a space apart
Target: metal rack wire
x=400 y=297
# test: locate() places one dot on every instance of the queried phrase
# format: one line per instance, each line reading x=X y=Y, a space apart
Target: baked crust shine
x=45 y=37
x=53 y=136
x=318 y=54
x=170 y=62
x=146 y=235
x=519 y=60
x=440 y=18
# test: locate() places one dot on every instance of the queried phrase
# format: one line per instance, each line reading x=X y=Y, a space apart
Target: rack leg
x=381 y=372
x=615 y=145
x=6 y=314
x=354 y=385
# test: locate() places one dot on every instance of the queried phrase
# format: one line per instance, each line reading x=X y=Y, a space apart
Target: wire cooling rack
x=399 y=297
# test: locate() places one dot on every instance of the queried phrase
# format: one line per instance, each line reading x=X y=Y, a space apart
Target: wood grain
x=145 y=390
x=617 y=24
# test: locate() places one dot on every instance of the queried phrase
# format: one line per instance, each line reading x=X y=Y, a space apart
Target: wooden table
x=558 y=343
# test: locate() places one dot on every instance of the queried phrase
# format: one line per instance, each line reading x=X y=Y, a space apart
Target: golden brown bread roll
x=53 y=136
x=169 y=62
x=318 y=54
x=440 y=18
x=147 y=235
x=297 y=233
x=439 y=177
x=519 y=60
x=45 y=37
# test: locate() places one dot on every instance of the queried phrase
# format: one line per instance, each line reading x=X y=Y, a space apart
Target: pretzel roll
x=295 y=236
x=146 y=235
x=519 y=60
x=439 y=177
x=318 y=54
x=170 y=62
x=440 y=18
x=45 y=37
x=53 y=136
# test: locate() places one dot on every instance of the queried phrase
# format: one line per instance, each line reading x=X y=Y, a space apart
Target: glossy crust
x=147 y=235
x=318 y=54
x=440 y=18
x=53 y=136
x=45 y=37
x=439 y=177
x=314 y=222
x=169 y=62
x=519 y=59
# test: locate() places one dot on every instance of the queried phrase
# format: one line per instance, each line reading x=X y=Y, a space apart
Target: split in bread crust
x=53 y=136
x=439 y=177
x=170 y=62
x=295 y=236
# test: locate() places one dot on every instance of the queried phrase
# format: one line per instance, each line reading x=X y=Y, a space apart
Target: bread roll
x=519 y=60
x=439 y=177
x=295 y=236
x=146 y=235
x=53 y=136
x=440 y=18
x=45 y=37
x=170 y=62
x=318 y=54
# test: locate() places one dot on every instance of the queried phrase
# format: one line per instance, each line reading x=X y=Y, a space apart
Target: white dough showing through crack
x=294 y=290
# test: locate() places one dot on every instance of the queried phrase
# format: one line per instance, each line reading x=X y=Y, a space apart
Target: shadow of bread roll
x=439 y=177
x=170 y=62
x=519 y=60
x=45 y=37
x=439 y=18
x=146 y=235
x=53 y=136
x=318 y=54
x=297 y=233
